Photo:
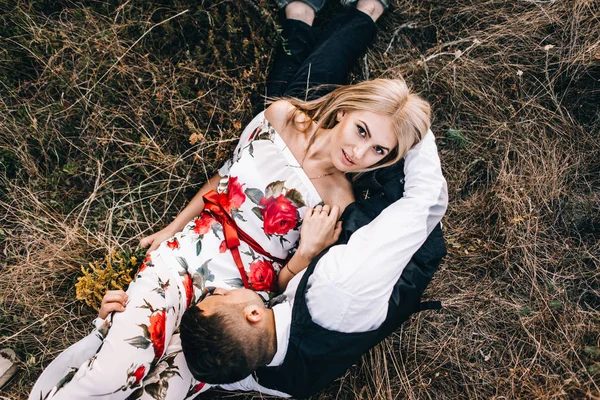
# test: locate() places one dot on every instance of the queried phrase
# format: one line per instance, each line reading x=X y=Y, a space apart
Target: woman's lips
x=346 y=160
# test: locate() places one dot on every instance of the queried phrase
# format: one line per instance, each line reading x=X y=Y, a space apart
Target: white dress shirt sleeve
x=351 y=285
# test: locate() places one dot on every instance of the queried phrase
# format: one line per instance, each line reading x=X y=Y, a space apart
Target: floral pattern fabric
x=137 y=354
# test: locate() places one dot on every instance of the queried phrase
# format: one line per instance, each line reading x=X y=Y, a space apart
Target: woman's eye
x=361 y=131
x=379 y=150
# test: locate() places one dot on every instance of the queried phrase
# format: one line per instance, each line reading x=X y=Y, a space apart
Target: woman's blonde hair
x=388 y=97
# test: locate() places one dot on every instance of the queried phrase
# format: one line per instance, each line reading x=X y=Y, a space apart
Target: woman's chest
x=335 y=191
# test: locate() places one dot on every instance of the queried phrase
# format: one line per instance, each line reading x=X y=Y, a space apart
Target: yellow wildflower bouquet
x=114 y=272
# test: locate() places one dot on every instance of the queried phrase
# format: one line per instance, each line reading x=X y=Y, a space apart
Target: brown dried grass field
x=113 y=113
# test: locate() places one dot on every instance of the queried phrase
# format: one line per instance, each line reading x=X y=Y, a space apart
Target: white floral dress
x=137 y=353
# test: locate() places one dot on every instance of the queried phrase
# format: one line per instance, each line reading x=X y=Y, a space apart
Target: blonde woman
x=242 y=229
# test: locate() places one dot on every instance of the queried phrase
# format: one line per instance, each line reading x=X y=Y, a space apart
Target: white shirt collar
x=283 y=321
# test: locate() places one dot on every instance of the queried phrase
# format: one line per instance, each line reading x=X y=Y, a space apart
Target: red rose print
x=173 y=244
x=189 y=289
x=203 y=223
x=254 y=133
x=262 y=276
x=223 y=247
x=139 y=374
x=235 y=194
x=198 y=387
x=157 y=332
x=147 y=262
x=142 y=267
x=279 y=215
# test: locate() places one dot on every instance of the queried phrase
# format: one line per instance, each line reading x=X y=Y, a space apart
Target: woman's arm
x=320 y=229
x=192 y=210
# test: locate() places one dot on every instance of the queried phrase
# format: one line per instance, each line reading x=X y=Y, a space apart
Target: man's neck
x=271 y=333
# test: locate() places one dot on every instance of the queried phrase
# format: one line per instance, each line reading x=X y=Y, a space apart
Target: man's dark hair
x=220 y=347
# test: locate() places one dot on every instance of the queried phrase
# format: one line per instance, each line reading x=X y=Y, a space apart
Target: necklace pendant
x=322 y=175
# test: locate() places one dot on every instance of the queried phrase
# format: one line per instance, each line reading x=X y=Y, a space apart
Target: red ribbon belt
x=214 y=203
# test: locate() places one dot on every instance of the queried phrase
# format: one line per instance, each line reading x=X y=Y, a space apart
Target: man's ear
x=254 y=313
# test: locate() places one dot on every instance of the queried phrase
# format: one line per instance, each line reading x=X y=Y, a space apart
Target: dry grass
x=111 y=115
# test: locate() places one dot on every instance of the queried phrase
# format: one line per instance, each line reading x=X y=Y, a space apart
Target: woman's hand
x=320 y=229
x=157 y=238
x=114 y=300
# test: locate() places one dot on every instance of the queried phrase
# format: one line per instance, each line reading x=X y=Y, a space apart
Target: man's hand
x=320 y=229
x=114 y=300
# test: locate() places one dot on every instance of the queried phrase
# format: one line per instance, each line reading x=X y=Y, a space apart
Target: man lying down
x=349 y=298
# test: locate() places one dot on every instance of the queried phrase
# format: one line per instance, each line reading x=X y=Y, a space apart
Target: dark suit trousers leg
x=307 y=68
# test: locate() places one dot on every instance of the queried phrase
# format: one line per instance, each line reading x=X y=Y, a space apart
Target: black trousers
x=305 y=61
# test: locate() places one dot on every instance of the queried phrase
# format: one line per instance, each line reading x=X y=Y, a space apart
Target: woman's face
x=361 y=139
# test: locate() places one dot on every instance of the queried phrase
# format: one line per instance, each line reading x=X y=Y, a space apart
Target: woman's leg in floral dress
x=65 y=364
x=164 y=383
x=133 y=345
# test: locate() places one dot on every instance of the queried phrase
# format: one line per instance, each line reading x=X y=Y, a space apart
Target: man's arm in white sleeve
x=359 y=276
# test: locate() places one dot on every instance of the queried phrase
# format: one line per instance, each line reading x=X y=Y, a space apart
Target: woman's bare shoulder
x=277 y=114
